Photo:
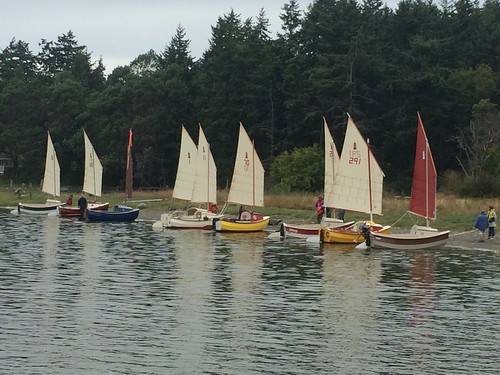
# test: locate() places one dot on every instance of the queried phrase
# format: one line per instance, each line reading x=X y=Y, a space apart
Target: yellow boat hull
x=226 y=225
x=346 y=236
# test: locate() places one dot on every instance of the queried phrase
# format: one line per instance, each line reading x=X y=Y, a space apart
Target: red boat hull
x=70 y=211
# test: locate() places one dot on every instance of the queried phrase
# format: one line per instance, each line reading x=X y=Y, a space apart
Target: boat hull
x=73 y=211
x=118 y=214
x=38 y=208
x=304 y=231
x=201 y=219
x=230 y=225
x=346 y=236
x=415 y=240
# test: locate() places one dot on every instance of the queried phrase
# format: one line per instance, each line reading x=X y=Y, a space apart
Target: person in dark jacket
x=82 y=205
x=481 y=224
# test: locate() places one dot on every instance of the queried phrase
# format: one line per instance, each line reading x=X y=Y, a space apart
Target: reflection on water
x=101 y=298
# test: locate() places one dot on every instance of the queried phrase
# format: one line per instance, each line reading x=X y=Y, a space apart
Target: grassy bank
x=456 y=214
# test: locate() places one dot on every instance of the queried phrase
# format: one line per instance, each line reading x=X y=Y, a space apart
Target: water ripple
x=122 y=299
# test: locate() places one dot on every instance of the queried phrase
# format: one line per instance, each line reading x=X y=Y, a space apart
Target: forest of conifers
x=378 y=64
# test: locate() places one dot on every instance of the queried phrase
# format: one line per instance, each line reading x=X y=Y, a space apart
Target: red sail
x=129 y=170
x=423 y=189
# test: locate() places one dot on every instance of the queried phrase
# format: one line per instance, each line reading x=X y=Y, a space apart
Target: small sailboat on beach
x=196 y=182
x=422 y=204
x=51 y=185
x=247 y=189
x=331 y=164
x=358 y=187
x=92 y=181
x=119 y=213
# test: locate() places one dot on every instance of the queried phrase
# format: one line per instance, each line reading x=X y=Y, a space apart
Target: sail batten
x=424 y=183
x=51 y=179
x=247 y=185
x=92 y=180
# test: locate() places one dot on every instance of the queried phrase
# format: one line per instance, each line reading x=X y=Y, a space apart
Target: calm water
x=79 y=298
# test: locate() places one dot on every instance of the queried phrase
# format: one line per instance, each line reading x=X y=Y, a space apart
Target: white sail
x=51 y=179
x=92 y=179
x=186 y=168
x=331 y=165
x=359 y=180
x=205 y=183
x=247 y=185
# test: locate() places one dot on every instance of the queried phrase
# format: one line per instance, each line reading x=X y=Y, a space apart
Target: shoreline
x=467 y=240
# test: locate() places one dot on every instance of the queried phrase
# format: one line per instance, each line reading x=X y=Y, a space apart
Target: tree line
x=378 y=64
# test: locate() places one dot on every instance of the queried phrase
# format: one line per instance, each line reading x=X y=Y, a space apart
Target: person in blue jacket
x=481 y=224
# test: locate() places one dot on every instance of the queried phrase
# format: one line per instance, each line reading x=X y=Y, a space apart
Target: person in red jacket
x=319 y=208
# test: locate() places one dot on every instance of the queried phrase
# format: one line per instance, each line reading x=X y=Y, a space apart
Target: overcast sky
x=120 y=30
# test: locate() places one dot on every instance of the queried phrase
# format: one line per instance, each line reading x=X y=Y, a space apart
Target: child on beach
x=492 y=222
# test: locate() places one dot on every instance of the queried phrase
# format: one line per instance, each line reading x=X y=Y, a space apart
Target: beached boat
x=92 y=182
x=117 y=214
x=51 y=185
x=247 y=189
x=74 y=211
x=352 y=235
x=38 y=208
x=358 y=187
x=304 y=231
x=331 y=165
x=196 y=181
x=420 y=237
x=422 y=204
x=257 y=223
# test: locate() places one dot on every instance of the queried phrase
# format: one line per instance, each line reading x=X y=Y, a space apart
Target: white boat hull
x=200 y=220
x=419 y=238
x=38 y=208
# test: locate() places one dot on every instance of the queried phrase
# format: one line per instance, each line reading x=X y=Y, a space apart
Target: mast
x=369 y=179
x=129 y=171
x=253 y=173
x=208 y=176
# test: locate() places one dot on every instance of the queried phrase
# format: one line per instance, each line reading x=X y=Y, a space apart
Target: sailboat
x=358 y=187
x=119 y=213
x=51 y=185
x=332 y=159
x=422 y=203
x=92 y=181
x=196 y=182
x=247 y=189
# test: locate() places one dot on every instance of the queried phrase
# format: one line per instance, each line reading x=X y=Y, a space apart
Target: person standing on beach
x=481 y=224
x=492 y=222
x=82 y=205
x=319 y=208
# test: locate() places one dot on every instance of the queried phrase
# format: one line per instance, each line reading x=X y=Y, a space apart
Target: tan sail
x=332 y=161
x=92 y=180
x=359 y=179
x=186 y=168
x=205 y=182
x=51 y=178
x=247 y=185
